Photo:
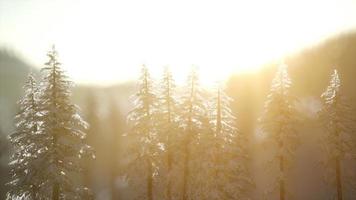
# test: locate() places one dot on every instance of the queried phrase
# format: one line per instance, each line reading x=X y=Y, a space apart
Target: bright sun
x=103 y=42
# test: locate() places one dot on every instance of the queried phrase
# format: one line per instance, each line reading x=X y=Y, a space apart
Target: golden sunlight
x=256 y=93
x=119 y=36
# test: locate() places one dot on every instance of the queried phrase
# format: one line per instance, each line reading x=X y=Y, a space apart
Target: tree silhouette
x=193 y=111
x=143 y=129
x=338 y=143
x=25 y=141
x=168 y=130
x=231 y=174
x=278 y=123
x=62 y=135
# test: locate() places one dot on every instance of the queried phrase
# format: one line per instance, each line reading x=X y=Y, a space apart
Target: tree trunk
x=338 y=179
x=149 y=181
x=55 y=191
x=186 y=147
x=186 y=172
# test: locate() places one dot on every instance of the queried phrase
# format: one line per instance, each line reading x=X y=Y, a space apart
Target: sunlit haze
x=104 y=42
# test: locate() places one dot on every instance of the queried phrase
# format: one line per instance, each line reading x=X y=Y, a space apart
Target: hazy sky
x=107 y=41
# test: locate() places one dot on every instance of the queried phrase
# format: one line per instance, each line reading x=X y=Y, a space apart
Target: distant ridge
x=13 y=73
x=310 y=70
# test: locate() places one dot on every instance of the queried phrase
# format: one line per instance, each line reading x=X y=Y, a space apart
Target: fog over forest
x=248 y=167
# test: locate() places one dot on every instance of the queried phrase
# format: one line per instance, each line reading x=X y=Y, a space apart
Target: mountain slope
x=13 y=73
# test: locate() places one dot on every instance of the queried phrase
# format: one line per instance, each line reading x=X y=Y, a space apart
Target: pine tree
x=205 y=171
x=62 y=135
x=338 y=120
x=141 y=169
x=168 y=128
x=193 y=112
x=228 y=152
x=278 y=122
x=25 y=143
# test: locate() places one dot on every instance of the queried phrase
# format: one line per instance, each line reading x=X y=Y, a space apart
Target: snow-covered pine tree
x=338 y=120
x=62 y=136
x=228 y=152
x=193 y=112
x=141 y=170
x=278 y=123
x=168 y=128
x=24 y=140
x=204 y=182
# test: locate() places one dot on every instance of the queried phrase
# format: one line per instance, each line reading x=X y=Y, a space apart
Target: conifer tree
x=193 y=112
x=62 y=136
x=25 y=144
x=205 y=171
x=168 y=128
x=337 y=117
x=229 y=152
x=141 y=169
x=278 y=123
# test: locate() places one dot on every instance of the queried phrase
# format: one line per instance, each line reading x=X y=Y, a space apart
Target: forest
x=177 y=100
x=182 y=142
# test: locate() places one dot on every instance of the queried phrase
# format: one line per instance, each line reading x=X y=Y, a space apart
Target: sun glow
x=103 y=42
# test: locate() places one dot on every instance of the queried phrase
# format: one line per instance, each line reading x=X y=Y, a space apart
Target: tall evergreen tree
x=337 y=117
x=278 y=122
x=25 y=144
x=168 y=127
x=143 y=130
x=229 y=152
x=62 y=135
x=193 y=112
x=204 y=168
